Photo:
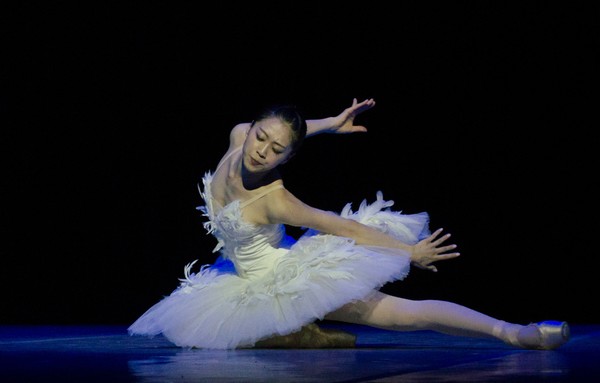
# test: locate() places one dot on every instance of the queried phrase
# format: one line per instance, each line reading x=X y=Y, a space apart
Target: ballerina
x=267 y=289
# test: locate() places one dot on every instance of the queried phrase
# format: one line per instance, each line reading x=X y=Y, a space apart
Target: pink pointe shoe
x=552 y=335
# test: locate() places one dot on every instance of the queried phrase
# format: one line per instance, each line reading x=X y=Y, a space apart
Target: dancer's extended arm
x=342 y=123
x=284 y=207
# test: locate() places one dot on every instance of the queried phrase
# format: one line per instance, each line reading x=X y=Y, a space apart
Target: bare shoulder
x=284 y=207
x=238 y=134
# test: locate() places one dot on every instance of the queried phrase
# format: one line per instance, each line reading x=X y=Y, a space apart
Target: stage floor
x=107 y=354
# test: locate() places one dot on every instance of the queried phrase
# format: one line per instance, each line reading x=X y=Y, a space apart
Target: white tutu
x=277 y=289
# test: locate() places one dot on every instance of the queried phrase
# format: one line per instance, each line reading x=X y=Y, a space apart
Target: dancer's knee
x=405 y=314
x=384 y=311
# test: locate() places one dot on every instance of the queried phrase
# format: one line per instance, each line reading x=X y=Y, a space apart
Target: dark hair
x=290 y=115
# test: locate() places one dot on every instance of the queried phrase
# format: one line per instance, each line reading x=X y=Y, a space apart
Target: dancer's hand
x=344 y=122
x=429 y=250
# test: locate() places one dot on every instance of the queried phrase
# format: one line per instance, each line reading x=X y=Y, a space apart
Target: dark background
x=485 y=119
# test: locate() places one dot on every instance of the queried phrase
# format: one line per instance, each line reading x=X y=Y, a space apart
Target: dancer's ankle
x=509 y=333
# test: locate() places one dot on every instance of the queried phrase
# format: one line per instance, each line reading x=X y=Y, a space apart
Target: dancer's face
x=267 y=145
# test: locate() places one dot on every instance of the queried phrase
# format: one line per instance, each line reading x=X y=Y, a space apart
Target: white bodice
x=249 y=246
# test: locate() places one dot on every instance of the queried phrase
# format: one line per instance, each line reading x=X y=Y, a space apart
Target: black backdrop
x=112 y=113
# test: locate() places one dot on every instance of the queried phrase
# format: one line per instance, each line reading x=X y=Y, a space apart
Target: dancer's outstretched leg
x=393 y=313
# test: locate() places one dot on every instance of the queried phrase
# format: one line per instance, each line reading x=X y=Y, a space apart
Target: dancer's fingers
x=443 y=257
x=443 y=249
x=441 y=239
x=434 y=235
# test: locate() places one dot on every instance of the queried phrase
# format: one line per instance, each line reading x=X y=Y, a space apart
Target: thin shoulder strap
x=261 y=194
x=226 y=157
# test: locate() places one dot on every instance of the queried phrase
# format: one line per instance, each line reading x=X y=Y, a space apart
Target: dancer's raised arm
x=342 y=123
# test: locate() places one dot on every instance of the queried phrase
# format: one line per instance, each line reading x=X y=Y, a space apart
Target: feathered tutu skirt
x=216 y=308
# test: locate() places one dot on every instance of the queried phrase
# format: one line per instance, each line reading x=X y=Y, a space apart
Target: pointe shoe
x=310 y=336
x=333 y=338
x=553 y=334
x=550 y=334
